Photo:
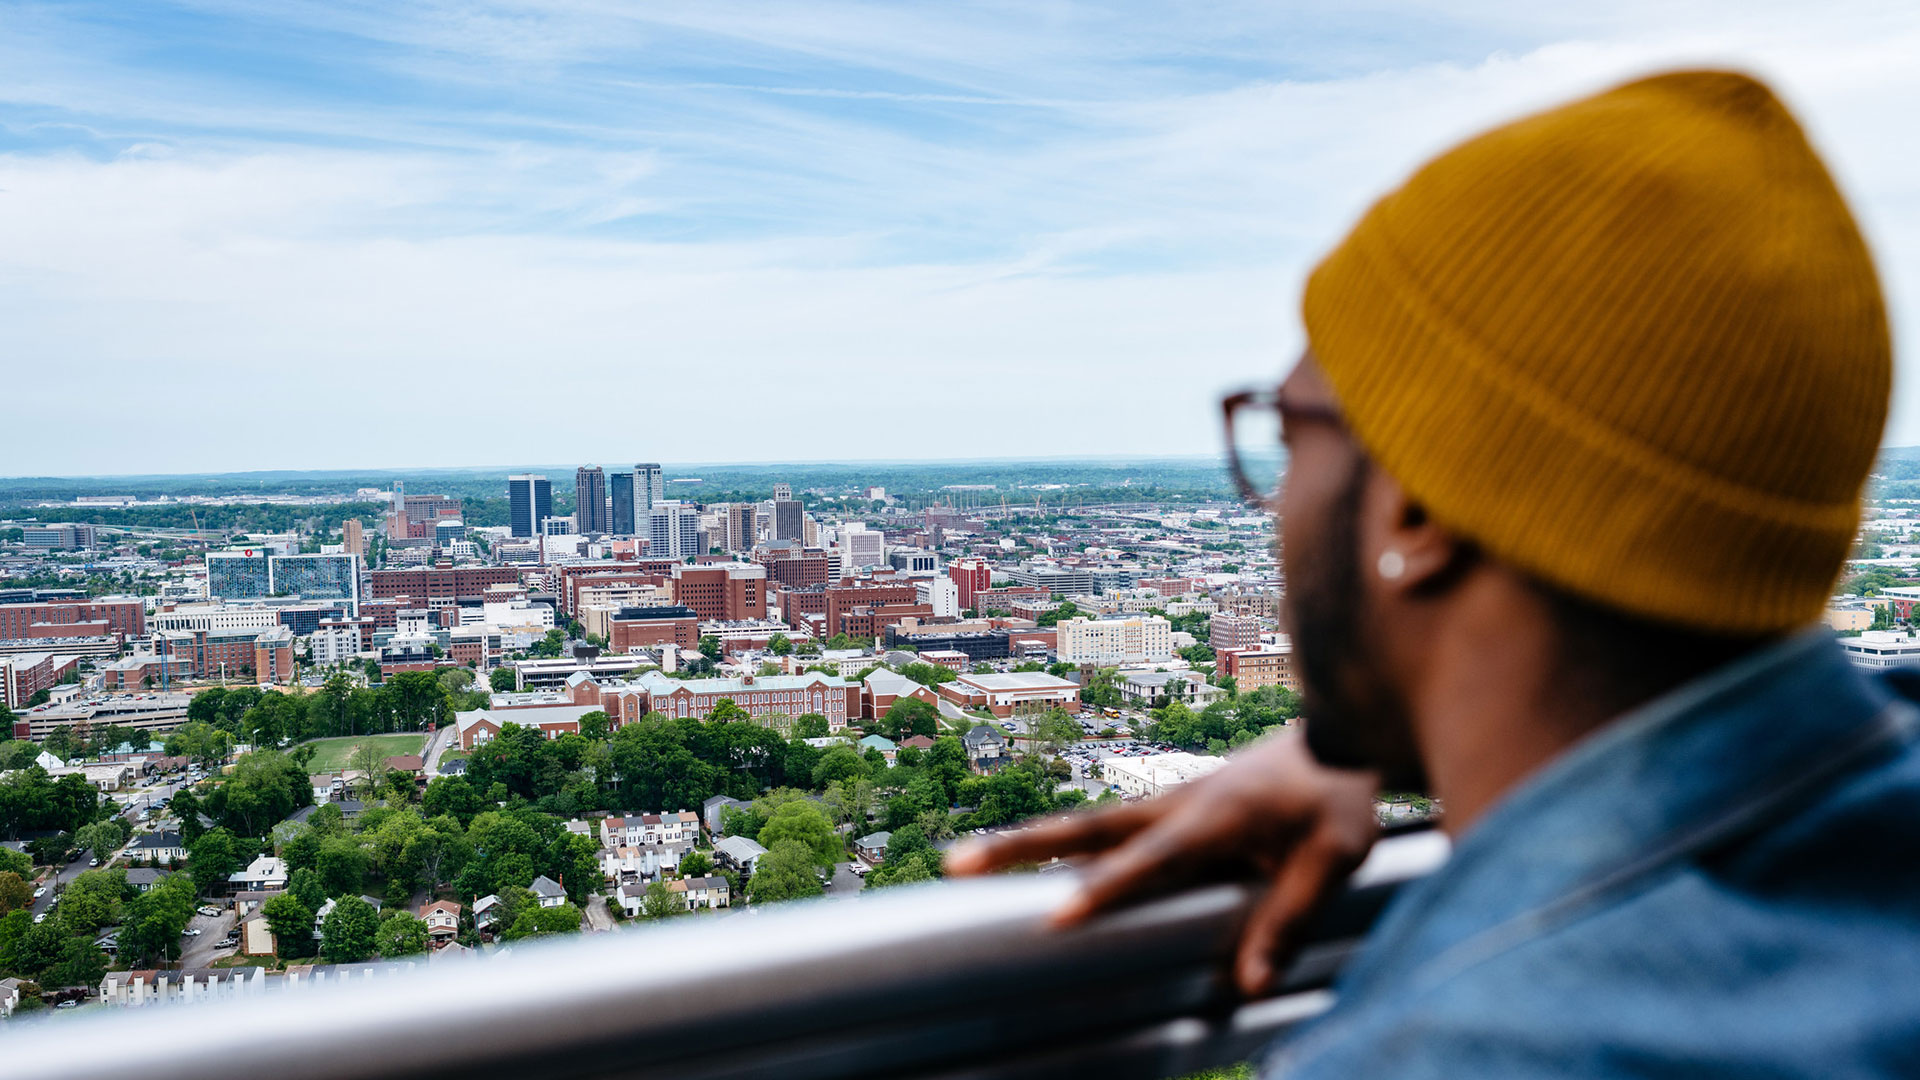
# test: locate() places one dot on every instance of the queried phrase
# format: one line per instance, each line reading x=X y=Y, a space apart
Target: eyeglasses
x=1256 y=422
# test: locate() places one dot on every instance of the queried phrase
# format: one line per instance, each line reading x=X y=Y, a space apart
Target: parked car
x=95 y=861
x=209 y=911
x=191 y=932
x=67 y=1005
x=39 y=892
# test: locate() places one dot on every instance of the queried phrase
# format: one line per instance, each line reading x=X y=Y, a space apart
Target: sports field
x=332 y=755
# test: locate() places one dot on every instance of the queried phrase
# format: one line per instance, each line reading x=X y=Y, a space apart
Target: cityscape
x=845 y=541
x=580 y=661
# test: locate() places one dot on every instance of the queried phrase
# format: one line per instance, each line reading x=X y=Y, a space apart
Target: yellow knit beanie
x=1633 y=346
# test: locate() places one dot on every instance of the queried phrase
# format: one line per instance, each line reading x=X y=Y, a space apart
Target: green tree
x=150 y=929
x=810 y=726
x=536 y=921
x=779 y=645
x=908 y=717
x=659 y=903
x=802 y=822
x=212 y=858
x=342 y=865
x=400 y=934
x=92 y=900
x=709 y=647
x=291 y=921
x=80 y=964
x=839 y=763
x=103 y=838
x=502 y=680
x=347 y=935
x=15 y=893
x=451 y=795
x=785 y=872
x=1056 y=729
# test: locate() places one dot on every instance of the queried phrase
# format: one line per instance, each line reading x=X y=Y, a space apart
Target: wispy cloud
x=218 y=215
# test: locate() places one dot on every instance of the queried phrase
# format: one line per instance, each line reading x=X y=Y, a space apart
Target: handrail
x=950 y=979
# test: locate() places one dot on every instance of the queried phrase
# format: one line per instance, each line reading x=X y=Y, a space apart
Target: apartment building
x=730 y=591
x=1258 y=667
x=1133 y=639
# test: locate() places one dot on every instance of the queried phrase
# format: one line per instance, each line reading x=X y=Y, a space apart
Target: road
x=845 y=882
x=205 y=949
x=441 y=742
x=597 y=916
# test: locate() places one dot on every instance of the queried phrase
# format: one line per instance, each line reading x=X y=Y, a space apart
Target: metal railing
x=952 y=979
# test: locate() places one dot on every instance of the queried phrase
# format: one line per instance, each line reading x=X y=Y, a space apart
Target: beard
x=1355 y=717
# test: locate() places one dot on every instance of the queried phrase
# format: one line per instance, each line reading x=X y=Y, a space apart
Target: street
x=205 y=949
x=845 y=882
x=438 y=744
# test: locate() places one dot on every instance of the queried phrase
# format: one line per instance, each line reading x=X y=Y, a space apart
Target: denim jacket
x=1725 y=882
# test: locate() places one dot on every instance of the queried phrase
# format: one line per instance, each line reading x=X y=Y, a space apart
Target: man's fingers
x=1078 y=835
x=1166 y=845
x=1273 y=926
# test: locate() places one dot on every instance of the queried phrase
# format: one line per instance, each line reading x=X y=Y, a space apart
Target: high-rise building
x=782 y=492
x=740 y=527
x=529 y=502
x=788 y=521
x=317 y=577
x=239 y=575
x=620 y=485
x=356 y=541
x=590 y=500
x=673 y=530
x=649 y=488
x=861 y=546
x=971 y=575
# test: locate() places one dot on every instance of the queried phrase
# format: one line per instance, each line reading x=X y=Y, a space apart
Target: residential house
x=872 y=848
x=623 y=865
x=411 y=764
x=443 y=921
x=883 y=744
x=143 y=879
x=712 y=809
x=135 y=989
x=631 y=896
x=486 y=913
x=263 y=873
x=985 y=747
x=700 y=892
x=256 y=935
x=548 y=891
x=679 y=828
x=9 y=996
x=162 y=846
x=739 y=852
x=922 y=743
x=326 y=909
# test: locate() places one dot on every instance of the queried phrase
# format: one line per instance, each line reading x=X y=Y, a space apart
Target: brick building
x=449 y=584
x=972 y=576
x=637 y=628
x=731 y=591
x=23 y=675
x=1229 y=631
x=68 y=618
x=1258 y=667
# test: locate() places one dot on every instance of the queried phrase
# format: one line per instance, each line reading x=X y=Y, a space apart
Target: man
x=1575 y=458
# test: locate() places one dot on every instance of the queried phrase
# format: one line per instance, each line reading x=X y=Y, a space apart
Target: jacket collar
x=1658 y=778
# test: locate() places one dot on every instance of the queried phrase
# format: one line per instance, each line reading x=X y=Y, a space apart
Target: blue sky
x=239 y=235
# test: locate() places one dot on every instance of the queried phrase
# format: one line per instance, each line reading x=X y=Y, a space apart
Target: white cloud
x=692 y=269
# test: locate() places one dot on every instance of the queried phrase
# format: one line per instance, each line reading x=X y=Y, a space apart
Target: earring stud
x=1392 y=565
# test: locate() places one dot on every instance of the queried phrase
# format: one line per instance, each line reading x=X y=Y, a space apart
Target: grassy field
x=331 y=755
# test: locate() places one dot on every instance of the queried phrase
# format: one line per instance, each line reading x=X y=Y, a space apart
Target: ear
x=1402 y=548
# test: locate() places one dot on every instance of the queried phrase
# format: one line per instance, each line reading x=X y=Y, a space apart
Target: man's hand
x=1274 y=813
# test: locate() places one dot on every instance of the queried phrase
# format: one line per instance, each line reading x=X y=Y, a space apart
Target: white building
x=941 y=593
x=673 y=531
x=335 y=643
x=861 y=546
x=1135 y=639
x=214 y=617
x=1156 y=774
x=1882 y=649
